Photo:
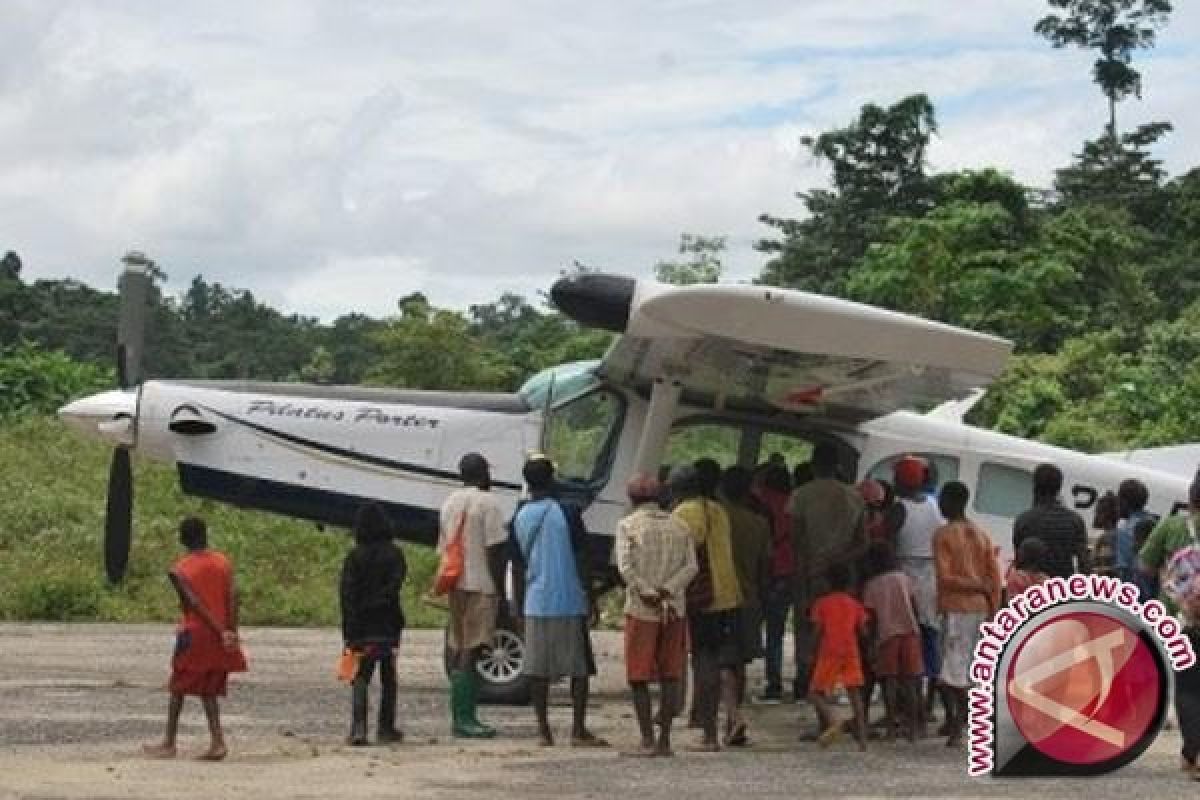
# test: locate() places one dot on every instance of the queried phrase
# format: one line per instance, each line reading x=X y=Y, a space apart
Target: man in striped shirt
x=1062 y=530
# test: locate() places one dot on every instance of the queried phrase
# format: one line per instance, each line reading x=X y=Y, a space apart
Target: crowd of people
x=887 y=584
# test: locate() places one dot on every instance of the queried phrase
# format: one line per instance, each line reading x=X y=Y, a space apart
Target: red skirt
x=198 y=683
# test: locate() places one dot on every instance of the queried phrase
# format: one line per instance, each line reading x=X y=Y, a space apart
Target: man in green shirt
x=1173 y=534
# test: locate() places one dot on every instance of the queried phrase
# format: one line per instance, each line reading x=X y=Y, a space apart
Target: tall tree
x=1115 y=28
x=878 y=165
x=699 y=262
x=10 y=266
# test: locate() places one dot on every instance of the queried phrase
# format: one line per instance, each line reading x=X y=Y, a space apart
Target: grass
x=51 y=565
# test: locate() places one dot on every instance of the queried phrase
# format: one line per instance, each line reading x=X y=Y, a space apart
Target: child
x=888 y=595
x=968 y=592
x=207 y=646
x=1026 y=570
x=838 y=621
x=372 y=619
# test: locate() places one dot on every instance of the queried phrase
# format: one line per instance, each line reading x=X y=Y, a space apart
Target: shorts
x=655 y=651
x=831 y=672
x=472 y=620
x=558 y=647
x=960 y=634
x=198 y=683
x=750 y=628
x=718 y=634
x=900 y=657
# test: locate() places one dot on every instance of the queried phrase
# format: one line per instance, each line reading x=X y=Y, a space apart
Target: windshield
x=565 y=380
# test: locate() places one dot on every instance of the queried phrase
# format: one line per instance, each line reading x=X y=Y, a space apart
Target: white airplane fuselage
x=318 y=452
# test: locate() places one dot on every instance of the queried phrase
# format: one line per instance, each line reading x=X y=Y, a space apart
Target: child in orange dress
x=838 y=622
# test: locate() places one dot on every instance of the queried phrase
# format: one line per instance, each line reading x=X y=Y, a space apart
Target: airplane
x=739 y=372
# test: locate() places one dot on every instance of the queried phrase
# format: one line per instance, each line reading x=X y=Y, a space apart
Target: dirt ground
x=77 y=702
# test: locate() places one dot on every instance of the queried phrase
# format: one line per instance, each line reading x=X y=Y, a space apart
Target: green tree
x=428 y=348
x=1114 y=28
x=1118 y=171
x=699 y=262
x=879 y=172
x=10 y=267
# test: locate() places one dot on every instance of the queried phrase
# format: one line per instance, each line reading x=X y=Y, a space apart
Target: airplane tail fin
x=1181 y=460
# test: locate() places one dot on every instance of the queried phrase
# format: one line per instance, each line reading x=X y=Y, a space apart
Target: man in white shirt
x=474 y=514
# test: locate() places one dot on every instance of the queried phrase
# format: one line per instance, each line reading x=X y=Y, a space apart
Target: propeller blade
x=118 y=516
x=134 y=290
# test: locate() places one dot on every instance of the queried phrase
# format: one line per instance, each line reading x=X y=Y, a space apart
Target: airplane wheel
x=499 y=669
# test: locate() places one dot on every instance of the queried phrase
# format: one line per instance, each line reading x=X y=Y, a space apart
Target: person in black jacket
x=372 y=619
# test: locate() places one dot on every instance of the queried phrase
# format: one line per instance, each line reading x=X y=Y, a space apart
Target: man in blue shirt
x=556 y=605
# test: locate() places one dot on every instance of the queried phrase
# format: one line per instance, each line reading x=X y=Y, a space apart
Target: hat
x=910 y=472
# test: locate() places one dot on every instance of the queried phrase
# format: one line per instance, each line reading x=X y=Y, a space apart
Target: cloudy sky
x=333 y=155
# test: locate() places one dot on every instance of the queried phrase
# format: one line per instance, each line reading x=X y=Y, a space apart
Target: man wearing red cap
x=913 y=519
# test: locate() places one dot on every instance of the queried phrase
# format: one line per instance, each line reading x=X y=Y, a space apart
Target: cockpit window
x=581 y=436
x=565 y=380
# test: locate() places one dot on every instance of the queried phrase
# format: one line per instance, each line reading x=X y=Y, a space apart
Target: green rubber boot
x=472 y=707
x=462 y=708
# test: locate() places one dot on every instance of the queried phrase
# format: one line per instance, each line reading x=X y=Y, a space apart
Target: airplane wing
x=759 y=348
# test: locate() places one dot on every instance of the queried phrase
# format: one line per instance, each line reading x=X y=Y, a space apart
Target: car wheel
x=500 y=669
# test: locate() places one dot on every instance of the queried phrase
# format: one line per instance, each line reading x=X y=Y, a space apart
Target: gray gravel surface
x=77 y=702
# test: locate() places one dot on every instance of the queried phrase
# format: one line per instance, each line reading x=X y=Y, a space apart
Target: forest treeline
x=1094 y=278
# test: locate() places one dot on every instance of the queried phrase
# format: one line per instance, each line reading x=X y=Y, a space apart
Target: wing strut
x=660 y=413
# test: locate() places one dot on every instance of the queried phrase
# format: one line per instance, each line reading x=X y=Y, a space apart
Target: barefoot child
x=838 y=622
x=206 y=645
x=888 y=596
x=968 y=592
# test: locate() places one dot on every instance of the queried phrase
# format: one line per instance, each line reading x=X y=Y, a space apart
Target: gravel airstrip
x=78 y=701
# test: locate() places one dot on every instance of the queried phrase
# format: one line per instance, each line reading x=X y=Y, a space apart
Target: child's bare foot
x=830 y=735
x=215 y=752
x=158 y=750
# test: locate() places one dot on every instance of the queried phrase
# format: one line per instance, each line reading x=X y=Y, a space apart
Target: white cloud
x=334 y=156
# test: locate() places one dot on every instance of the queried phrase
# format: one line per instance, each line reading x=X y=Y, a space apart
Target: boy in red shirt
x=838 y=622
x=207 y=647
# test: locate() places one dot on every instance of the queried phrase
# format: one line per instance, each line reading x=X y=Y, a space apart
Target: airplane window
x=793 y=449
x=1003 y=491
x=943 y=468
x=580 y=436
x=689 y=443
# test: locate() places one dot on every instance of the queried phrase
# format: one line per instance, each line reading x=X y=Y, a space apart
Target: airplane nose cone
x=595 y=300
x=108 y=416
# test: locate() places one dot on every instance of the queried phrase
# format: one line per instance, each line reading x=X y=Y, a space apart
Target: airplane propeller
x=134 y=289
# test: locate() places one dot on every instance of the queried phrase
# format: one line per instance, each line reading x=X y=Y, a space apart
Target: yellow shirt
x=708 y=524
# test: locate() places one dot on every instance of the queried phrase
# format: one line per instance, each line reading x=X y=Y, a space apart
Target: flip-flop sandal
x=639 y=752
x=737 y=737
x=588 y=741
